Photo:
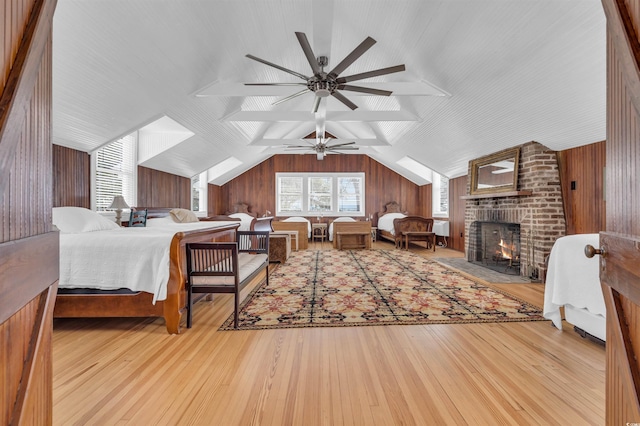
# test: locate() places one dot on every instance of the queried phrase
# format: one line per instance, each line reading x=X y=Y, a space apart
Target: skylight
x=157 y=137
x=223 y=167
x=416 y=168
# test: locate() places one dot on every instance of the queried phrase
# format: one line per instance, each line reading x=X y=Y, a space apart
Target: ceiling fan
x=321 y=147
x=324 y=84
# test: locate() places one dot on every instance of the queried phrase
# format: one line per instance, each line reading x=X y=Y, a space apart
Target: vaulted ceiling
x=480 y=76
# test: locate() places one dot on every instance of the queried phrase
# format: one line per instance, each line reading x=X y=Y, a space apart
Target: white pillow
x=183 y=216
x=74 y=220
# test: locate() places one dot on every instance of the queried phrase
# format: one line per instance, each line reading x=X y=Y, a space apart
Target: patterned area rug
x=372 y=287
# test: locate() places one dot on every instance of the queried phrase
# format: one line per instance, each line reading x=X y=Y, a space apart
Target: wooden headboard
x=241 y=208
x=390 y=207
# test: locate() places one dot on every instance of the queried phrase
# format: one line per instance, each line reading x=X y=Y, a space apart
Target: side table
x=319 y=232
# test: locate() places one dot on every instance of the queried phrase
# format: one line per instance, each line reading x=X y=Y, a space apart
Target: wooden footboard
x=139 y=304
x=301 y=227
x=353 y=227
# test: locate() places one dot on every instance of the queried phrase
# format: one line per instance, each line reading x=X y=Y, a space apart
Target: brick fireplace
x=539 y=214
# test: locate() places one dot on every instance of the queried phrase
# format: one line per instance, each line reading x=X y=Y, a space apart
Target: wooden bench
x=226 y=267
x=353 y=239
x=428 y=237
x=417 y=227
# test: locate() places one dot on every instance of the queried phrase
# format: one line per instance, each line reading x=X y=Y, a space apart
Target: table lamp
x=118 y=204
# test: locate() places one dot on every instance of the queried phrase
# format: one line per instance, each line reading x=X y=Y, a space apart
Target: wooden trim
x=497 y=195
x=38 y=348
x=17 y=92
x=20 y=281
x=626 y=45
x=621 y=252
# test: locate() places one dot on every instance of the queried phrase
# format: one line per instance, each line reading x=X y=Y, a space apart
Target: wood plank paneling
x=257 y=186
x=160 y=189
x=457 y=188
x=584 y=204
x=215 y=200
x=71 y=177
x=622 y=206
x=25 y=211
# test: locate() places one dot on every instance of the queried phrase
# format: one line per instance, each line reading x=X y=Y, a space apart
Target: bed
x=248 y=221
x=299 y=224
x=573 y=282
x=338 y=220
x=354 y=233
x=385 y=220
x=109 y=271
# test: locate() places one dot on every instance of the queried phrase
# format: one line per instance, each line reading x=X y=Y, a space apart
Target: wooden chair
x=138 y=218
x=226 y=267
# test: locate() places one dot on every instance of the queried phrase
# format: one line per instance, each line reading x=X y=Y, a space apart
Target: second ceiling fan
x=324 y=84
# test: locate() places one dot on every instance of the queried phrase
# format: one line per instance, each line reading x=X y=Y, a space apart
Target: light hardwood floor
x=131 y=372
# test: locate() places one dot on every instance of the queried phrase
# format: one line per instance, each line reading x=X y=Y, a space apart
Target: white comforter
x=385 y=222
x=133 y=258
x=572 y=278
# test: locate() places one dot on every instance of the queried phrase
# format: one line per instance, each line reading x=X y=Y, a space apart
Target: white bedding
x=245 y=221
x=133 y=258
x=385 y=222
x=300 y=219
x=338 y=219
x=573 y=279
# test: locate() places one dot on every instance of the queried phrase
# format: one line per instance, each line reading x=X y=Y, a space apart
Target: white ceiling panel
x=480 y=76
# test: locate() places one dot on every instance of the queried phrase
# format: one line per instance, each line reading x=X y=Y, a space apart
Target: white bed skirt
x=594 y=324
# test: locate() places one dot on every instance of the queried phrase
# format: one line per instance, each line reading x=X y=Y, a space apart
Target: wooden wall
x=71 y=177
x=160 y=189
x=584 y=206
x=28 y=274
x=457 y=188
x=215 y=200
x=619 y=272
x=257 y=187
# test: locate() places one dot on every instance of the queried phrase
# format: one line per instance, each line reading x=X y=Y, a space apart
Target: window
x=349 y=194
x=199 y=187
x=331 y=194
x=320 y=194
x=115 y=172
x=289 y=194
x=440 y=195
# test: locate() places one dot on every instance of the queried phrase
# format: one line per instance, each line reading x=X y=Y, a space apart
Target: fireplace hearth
x=496 y=246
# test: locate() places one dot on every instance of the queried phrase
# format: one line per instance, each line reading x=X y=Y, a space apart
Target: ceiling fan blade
x=311 y=143
x=271 y=64
x=341 y=144
x=306 y=148
x=316 y=104
x=308 y=52
x=369 y=74
x=364 y=90
x=351 y=57
x=295 y=95
x=345 y=148
x=275 y=84
x=339 y=96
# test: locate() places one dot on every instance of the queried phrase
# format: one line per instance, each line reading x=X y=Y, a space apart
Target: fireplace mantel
x=497 y=195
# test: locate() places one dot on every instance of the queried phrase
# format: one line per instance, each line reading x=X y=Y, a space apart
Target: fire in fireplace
x=496 y=246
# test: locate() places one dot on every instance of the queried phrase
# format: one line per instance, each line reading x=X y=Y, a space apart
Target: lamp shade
x=118 y=203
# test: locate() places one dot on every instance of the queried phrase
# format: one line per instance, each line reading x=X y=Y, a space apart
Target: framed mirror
x=495 y=173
